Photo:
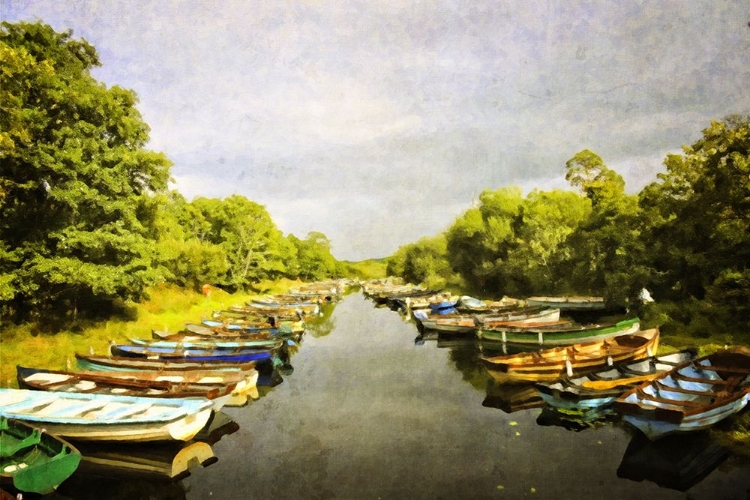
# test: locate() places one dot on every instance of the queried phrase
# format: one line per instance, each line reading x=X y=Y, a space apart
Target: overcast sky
x=378 y=122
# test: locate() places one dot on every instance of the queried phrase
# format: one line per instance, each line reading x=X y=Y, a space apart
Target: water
x=369 y=414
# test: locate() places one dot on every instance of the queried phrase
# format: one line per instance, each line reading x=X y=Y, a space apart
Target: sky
x=378 y=123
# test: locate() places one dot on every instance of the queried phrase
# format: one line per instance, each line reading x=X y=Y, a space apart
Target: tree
x=605 y=252
x=697 y=216
x=77 y=188
x=254 y=247
x=314 y=259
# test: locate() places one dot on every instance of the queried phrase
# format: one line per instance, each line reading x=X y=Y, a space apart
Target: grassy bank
x=168 y=308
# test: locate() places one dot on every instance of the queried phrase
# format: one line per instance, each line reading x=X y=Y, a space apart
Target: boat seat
x=719 y=368
x=78 y=408
x=701 y=380
x=672 y=402
x=681 y=390
x=27 y=405
x=125 y=411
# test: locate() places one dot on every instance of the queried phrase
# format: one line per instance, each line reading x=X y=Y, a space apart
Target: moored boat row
x=608 y=367
x=163 y=389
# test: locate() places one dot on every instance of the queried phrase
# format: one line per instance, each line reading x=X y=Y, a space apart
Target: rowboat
x=187 y=354
x=120 y=363
x=457 y=325
x=467 y=304
x=555 y=334
x=599 y=389
x=691 y=397
x=556 y=362
x=105 y=383
x=101 y=417
x=571 y=303
x=244 y=379
x=209 y=344
x=522 y=315
x=33 y=460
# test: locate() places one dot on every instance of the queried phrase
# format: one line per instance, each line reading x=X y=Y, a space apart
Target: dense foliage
x=78 y=186
x=87 y=220
x=685 y=237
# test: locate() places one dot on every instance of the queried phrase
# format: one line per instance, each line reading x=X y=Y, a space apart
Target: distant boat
x=693 y=396
x=556 y=362
x=100 y=417
x=572 y=303
x=521 y=315
x=599 y=389
x=32 y=460
x=554 y=333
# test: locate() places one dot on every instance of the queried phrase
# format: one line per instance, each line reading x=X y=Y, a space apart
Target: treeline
x=87 y=219
x=685 y=238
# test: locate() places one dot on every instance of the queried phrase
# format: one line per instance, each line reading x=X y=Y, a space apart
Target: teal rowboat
x=103 y=417
x=32 y=460
x=555 y=336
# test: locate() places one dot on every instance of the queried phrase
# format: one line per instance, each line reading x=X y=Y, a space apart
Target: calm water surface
x=367 y=413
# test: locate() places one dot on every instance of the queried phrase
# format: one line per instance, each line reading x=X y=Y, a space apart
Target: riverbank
x=168 y=308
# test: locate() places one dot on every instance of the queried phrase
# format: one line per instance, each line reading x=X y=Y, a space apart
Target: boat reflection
x=673 y=462
x=512 y=397
x=219 y=425
x=574 y=420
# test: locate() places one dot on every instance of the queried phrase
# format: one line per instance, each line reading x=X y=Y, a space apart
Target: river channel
x=368 y=413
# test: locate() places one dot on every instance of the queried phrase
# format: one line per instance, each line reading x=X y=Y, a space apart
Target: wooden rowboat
x=120 y=363
x=556 y=362
x=522 y=315
x=571 y=303
x=100 y=417
x=186 y=354
x=39 y=379
x=691 y=397
x=33 y=460
x=600 y=389
x=531 y=334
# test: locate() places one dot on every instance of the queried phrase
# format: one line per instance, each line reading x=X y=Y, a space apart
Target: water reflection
x=512 y=397
x=371 y=412
x=672 y=462
x=575 y=420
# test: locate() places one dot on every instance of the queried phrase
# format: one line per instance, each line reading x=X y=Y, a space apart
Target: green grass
x=366 y=269
x=168 y=308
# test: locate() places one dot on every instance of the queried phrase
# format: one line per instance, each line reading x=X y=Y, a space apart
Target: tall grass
x=168 y=308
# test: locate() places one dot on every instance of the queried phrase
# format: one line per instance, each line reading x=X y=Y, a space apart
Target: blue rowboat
x=691 y=397
x=105 y=417
x=170 y=353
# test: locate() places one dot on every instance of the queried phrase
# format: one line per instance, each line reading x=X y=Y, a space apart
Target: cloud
x=376 y=122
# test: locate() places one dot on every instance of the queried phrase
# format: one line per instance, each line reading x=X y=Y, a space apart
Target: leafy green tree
x=78 y=186
x=479 y=242
x=314 y=259
x=254 y=247
x=546 y=221
x=183 y=248
x=697 y=219
x=604 y=255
